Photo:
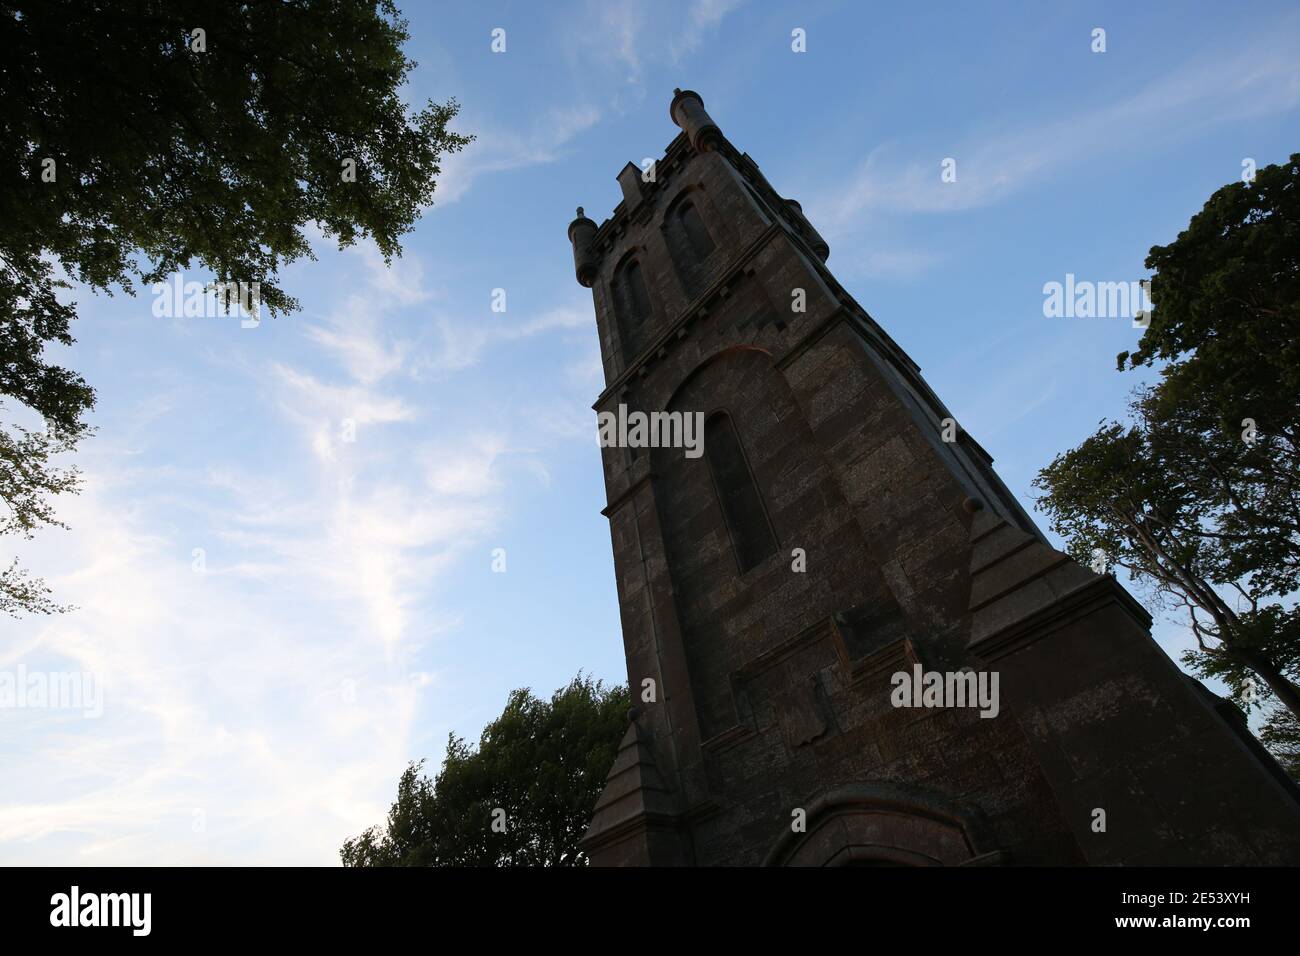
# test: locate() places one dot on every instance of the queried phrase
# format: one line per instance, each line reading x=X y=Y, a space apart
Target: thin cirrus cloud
x=275 y=692
x=703 y=17
x=1260 y=79
x=614 y=30
x=625 y=39
x=464 y=341
x=218 y=707
x=496 y=149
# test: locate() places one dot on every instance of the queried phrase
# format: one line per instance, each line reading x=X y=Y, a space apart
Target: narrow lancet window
x=696 y=233
x=742 y=505
x=632 y=301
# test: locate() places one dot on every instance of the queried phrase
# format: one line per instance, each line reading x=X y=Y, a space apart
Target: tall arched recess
x=741 y=502
x=693 y=234
x=693 y=229
x=872 y=825
x=724 y=613
x=631 y=305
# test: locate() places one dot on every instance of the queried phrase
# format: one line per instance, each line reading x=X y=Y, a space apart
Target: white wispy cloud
x=702 y=17
x=498 y=149
x=624 y=39
x=221 y=711
x=885 y=263
x=464 y=341
x=992 y=164
x=611 y=36
x=254 y=630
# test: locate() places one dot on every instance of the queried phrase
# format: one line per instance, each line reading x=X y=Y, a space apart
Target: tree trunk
x=1286 y=692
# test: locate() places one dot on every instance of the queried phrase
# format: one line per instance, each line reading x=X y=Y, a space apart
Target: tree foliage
x=1177 y=508
x=1281 y=735
x=28 y=479
x=1227 y=306
x=536 y=772
x=1199 y=494
x=133 y=146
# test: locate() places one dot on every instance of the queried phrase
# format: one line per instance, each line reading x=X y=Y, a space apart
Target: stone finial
x=687 y=111
x=814 y=237
x=582 y=232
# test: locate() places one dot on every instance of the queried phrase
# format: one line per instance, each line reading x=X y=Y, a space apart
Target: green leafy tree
x=1227 y=316
x=1281 y=735
x=1166 y=502
x=139 y=138
x=1199 y=495
x=522 y=797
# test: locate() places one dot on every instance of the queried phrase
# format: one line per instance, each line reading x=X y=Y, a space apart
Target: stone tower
x=838 y=530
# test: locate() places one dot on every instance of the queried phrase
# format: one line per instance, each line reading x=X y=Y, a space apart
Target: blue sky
x=347 y=617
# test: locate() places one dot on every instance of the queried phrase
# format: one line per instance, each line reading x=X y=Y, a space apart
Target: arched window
x=634 y=290
x=632 y=301
x=697 y=235
x=742 y=506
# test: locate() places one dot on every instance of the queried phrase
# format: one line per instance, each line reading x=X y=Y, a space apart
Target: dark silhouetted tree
x=139 y=138
x=1199 y=495
x=523 y=797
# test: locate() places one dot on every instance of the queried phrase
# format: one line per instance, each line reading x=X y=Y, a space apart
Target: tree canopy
x=138 y=139
x=1199 y=494
x=1227 y=306
x=522 y=797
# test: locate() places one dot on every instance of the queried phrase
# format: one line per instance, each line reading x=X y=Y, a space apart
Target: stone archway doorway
x=865 y=825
